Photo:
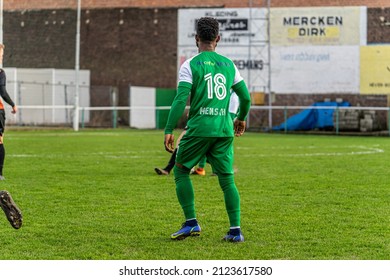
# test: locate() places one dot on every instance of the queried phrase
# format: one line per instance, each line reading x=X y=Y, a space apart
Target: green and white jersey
x=209 y=77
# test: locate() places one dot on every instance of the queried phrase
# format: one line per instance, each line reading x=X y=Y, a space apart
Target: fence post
x=114 y=117
x=388 y=120
x=337 y=120
x=82 y=117
x=285 y=119
x=19 y=93
x=158 y=118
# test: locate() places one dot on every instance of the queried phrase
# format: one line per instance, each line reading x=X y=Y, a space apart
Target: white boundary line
x=361 y=150
x=364 y=150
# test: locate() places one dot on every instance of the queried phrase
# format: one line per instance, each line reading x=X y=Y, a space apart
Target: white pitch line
x=86 y=133
x=361 y=150
x=126 y=154
x=364 y=151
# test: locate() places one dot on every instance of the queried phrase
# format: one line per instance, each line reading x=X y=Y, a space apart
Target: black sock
x=171 y=162
x=2 y=156
x=235 y=231
x=191 y=223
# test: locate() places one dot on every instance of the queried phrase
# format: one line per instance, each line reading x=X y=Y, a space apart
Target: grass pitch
x=94 y=195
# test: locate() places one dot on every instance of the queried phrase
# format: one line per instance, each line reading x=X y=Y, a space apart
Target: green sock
x=232 y=199
x=185 y=191
x=202 y=162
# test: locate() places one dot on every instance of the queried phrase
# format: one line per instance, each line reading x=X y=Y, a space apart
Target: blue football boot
x=186 y=231
x=233 y=237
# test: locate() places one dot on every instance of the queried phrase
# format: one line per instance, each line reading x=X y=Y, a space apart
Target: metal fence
x=356 y=120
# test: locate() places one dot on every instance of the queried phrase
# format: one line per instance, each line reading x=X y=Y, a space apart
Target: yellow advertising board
x=318 y=26
x=375 y=69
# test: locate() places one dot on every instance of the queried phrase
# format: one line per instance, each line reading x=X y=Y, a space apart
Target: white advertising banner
x=313 y=50
x=243 y=39
x=375 y=69
x=317 y=50
x=315 y=69
x=319 y=26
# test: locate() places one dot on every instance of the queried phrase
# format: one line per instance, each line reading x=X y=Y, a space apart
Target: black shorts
x=2 y=121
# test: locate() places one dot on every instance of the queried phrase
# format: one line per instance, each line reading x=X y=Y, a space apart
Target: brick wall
x=89 y=4
x=130 y=46
x=378 y=28
x=119 y=46
x=40 y=39
x=305 y=3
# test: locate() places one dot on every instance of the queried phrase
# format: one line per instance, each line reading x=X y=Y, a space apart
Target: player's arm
x=177 y=110
x=4 y=93
x=245 y=102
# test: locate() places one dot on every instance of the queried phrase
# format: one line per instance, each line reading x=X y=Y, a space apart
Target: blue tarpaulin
x=312 y=118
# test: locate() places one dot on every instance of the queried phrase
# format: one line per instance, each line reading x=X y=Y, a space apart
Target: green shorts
x=219 y=152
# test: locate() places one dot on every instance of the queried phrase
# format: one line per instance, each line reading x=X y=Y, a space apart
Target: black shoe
x=161 y=171
x=10 y=209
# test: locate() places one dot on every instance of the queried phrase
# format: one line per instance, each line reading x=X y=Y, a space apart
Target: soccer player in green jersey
x=208 y=78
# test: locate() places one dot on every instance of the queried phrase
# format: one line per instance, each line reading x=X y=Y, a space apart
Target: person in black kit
x=166 y=170
x=8 y=100
x=7 y=204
